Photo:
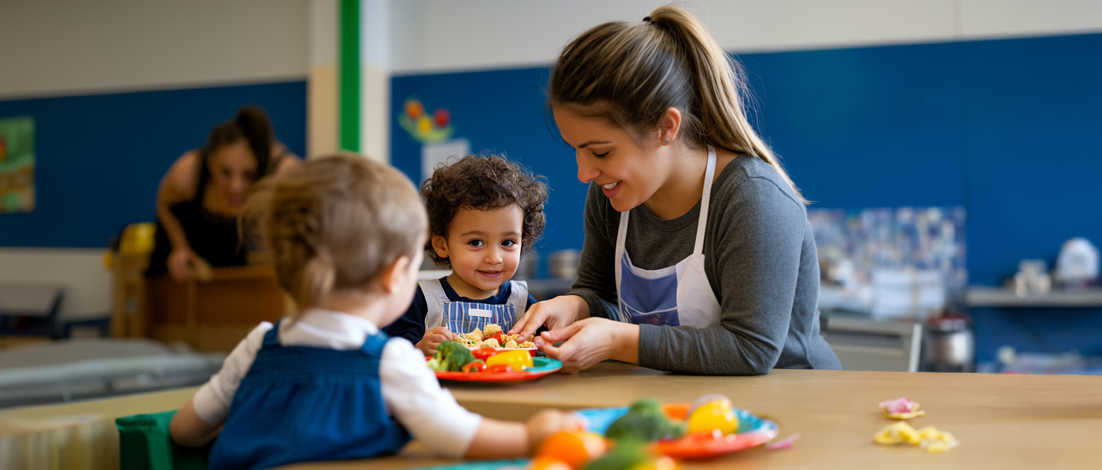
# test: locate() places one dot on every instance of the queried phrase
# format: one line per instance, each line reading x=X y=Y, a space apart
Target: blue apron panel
x=304 y=404
x=648 y=301
x=460 y=320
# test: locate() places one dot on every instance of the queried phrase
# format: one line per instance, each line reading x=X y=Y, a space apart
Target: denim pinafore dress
x=303 y=404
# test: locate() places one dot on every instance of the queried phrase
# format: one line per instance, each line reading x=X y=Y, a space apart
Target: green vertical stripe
x=350 y=76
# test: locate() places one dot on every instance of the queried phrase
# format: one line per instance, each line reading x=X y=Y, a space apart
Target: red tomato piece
x=476 y=366
x=483 y=353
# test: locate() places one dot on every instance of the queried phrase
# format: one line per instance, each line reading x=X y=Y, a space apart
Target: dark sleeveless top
x=211 y=236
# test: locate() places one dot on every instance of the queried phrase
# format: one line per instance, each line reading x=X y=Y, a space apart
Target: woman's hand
x=555 y=313
x=590 y=341
x=180 y=262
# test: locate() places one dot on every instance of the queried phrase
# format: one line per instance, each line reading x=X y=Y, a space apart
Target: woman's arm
x=178 y=185
x=288 y=160
x=754 y=246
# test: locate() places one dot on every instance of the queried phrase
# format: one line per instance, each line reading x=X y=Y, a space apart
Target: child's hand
x=433 y=338
x=548 y=422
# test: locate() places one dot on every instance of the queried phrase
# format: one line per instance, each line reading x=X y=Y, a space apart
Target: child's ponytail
x=334 y=223
x=315 y=281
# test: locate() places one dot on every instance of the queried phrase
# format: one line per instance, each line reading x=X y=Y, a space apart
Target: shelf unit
x=980 y=296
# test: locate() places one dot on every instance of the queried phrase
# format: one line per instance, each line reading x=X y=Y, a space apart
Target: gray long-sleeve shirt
x=760 y=260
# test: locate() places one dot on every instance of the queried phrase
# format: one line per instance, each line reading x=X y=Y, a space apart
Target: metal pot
x=563 y=264
x=948 y=345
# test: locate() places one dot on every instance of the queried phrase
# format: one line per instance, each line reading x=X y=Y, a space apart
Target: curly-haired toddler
x=484 y=212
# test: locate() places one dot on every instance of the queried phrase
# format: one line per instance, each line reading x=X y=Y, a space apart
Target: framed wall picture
x=16 y=165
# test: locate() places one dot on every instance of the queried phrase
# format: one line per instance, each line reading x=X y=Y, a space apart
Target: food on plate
x=491 y=330
x=548 y=463
x=451 y=356
x=515 y=360
x=493 y=336
x=646 y=421
x=712 y=416
x=574 y=448
x=632 y=455
x=475 y=335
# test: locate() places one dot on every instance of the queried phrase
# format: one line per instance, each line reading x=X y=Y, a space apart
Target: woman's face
x=628 y=174
x=233 y=170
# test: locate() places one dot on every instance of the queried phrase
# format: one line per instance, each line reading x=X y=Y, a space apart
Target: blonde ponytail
x=631 y=73
x=315 y=281
x=334 y=223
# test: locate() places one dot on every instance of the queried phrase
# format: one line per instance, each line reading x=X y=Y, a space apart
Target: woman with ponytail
x=698 y=255
x=203 y=192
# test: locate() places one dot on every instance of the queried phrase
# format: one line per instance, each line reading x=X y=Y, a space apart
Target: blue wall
x=1009 y=129
x=499 y=112
x=99 y=159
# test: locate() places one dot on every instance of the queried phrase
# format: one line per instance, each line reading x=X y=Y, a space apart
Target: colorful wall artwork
x=891 y=262
x=16 y=165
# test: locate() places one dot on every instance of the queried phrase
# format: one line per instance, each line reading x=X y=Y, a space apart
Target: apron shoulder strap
x=518 y=296
x=436 y=298
x=702 y=222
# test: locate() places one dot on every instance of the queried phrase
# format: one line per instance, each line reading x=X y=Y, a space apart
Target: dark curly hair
x=483 y=183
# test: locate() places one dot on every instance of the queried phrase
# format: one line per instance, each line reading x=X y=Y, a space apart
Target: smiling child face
x=483 y=247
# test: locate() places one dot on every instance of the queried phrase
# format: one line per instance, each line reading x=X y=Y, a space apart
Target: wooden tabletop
x=1001 y=421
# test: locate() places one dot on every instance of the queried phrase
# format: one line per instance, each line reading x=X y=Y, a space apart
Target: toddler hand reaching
x=432 y=339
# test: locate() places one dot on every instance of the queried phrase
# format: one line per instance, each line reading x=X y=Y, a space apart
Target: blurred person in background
x=203 y=192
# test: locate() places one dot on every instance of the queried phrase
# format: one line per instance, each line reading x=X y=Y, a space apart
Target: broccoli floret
x=646 y=421
x=623 y=456
x=451 y=356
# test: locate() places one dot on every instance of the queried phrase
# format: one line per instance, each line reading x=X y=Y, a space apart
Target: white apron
x=674 y=295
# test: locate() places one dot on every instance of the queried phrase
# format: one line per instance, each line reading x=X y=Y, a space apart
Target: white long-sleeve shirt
x=409 y=388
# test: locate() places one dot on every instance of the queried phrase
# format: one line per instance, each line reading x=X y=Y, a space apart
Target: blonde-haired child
x=345 y=235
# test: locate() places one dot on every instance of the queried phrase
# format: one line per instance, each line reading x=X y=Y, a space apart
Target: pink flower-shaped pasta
x=901 y=408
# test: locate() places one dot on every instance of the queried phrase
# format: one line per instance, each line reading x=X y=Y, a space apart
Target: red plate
x=705 y=446
x=541 y=366
x=753 y=431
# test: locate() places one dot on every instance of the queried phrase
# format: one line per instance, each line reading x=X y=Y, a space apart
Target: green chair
x=144 y=444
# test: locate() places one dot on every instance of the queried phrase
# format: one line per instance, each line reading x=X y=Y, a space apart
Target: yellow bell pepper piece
x=516 y=360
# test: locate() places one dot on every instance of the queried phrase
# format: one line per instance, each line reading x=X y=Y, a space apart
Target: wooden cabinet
x=210 y=316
